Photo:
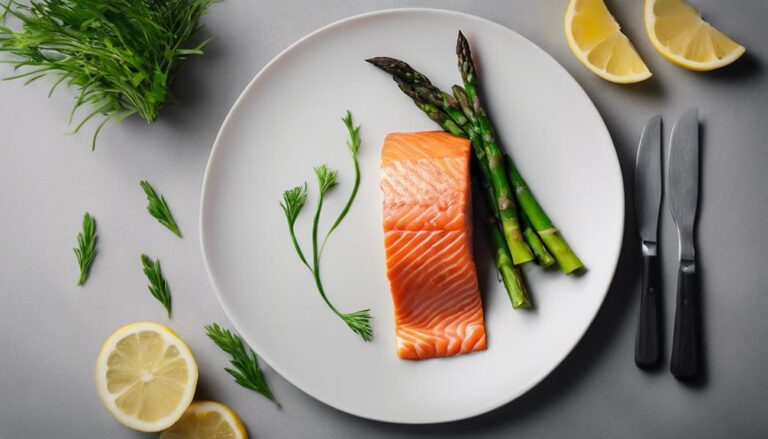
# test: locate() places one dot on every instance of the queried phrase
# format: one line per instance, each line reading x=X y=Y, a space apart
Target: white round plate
x=288 y=120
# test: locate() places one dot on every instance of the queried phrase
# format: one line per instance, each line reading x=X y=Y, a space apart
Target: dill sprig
x=158 y=208
x=246 y=370
x=293 y=202
x=158 y=286
x=353 y=143
x=86 y=247
x=120 y=55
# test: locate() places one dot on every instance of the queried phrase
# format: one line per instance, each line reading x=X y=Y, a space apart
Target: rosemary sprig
x=158 y=286
x=158 y=208
x=120 y=55
x=86 y=247
x=246 y=370
x=293 y=202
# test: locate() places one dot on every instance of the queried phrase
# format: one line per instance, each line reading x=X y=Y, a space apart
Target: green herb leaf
x=121 y=55
x=158 y=208
x=294 y=200
x=246 y=370
x=326 y=178
x=86 y=247
x=360 y=323
x=158 y=286
x=354 y=146
x=354 y=134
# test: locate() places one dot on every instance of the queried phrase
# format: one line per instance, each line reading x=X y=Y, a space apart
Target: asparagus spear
x=553 y=240
x=543 y=256
x=510 y=273
x=564 y=255
x=437 y=114
x=419 y=88
x=521 y=253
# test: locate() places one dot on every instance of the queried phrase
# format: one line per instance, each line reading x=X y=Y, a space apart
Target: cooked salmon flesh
x=428 y=241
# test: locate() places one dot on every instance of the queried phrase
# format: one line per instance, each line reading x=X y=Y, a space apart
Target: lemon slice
x=677 y=31
x=146 y=376
x=595 y=38
x=207 y=420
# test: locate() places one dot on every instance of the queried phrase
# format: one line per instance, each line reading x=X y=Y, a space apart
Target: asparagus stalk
x=564 y=255
x=521 y=253
x=543 y=256
x=433 y=111
x=553 y=240
x=426 y=96
x=510 y=273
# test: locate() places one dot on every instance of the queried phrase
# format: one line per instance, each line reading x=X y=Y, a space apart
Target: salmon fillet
x=428 y=242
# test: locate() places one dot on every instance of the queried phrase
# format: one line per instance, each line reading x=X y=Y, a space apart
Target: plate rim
x=480 y=409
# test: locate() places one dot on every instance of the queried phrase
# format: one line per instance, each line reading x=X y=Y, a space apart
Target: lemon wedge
x=678 y=32
x=146 y=376
x=207 y=420
x=595 y=37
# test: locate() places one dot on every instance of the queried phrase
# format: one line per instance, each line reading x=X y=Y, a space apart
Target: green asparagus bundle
x=549 y=234
x=520 y=230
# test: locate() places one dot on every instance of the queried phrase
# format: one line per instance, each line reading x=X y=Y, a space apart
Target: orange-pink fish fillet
x=428 y=240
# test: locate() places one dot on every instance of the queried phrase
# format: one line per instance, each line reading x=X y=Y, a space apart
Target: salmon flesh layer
x=428 y=240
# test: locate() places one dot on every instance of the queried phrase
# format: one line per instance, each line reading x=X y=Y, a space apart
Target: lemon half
x=207 y=420
x=595 y=37
x=146 y=376
x=678 y=32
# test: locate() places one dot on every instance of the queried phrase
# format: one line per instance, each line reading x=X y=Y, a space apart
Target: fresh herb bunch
x=86 y=246
x=121 y=55
x=293 y=202
x=158 y=208
x=246 y=370
x=158 y=286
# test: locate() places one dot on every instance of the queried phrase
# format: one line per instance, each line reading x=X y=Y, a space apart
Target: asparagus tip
x=461 y=44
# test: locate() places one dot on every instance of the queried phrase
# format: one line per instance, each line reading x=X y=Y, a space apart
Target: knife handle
x=647 y=338
x=684 y=363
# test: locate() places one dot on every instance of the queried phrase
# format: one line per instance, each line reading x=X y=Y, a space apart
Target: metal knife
x=683 y=184
x=647 y=205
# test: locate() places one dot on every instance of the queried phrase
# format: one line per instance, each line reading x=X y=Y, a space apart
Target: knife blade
x=683 y=183
x=647 y=204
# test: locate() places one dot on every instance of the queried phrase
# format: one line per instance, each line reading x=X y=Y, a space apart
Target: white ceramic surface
x=287 y=120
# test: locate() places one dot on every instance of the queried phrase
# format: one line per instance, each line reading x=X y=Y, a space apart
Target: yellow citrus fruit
x=595 y=37
x=678 y=32
x=146 y=376
x=207 y=420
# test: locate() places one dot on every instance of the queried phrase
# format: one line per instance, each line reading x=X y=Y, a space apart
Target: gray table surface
x=51 y=330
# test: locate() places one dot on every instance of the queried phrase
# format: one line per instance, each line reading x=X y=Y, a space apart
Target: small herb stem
x=316 y=254
x=344 y=211
x=297 y=246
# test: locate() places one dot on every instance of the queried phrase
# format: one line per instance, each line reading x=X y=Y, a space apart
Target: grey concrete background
x=51 y=330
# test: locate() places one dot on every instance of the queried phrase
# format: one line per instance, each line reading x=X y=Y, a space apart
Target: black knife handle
x=684 y=363
x=647 y=338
